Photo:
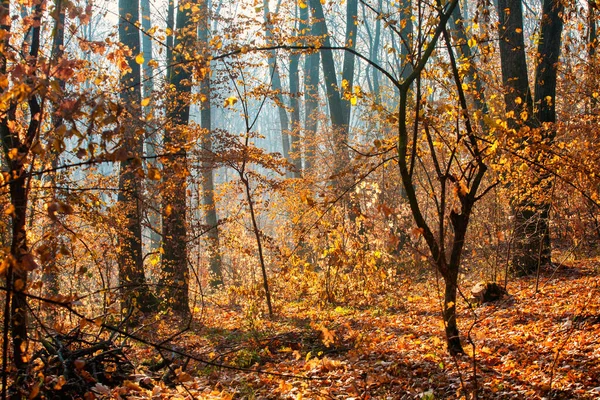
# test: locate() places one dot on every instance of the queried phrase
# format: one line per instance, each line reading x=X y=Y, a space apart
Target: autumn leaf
x=139 y=58
x=230 y=101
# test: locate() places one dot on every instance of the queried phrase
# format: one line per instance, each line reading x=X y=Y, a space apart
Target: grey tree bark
x=151 y=140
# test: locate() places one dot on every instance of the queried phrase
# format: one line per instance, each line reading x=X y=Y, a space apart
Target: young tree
x=17 y=142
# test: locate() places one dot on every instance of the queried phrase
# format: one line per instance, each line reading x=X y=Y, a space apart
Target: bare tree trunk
x=21 y=260
x=50 y=271
x=349 y=58
x=151 y=141
x=311 y=98
x=549 y=49
x=175 y=274
x=471 y=75
x=518 y=100
x=295 y=150
x=277 y=87
x=406 y=37
x=208 y=188
x=136 y=293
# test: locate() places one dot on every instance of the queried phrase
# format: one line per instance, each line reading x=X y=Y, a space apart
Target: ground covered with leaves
x=543 y=345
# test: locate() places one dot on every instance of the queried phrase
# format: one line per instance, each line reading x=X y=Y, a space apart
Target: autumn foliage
x=302 y=199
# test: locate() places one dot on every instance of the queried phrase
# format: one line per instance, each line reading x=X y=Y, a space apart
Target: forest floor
x=529 y=345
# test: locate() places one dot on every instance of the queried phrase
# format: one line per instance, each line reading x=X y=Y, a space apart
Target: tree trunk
x=519 y=103
x=50 y=275
x=151 y=140
x=349 y=58
x=21 y=260
x=311 y=99
x=277 y=87
x=208 y=189
x=450 y=289
x=296 y=153
x=471 y=75
x=406 y=36
x=175 y=274
x=545 y=100
x=135 y=291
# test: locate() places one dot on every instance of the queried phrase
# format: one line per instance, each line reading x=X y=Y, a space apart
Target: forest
x=300 y=199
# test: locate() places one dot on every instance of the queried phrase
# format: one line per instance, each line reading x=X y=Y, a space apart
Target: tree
x=311 y=95
x=277 y=86
x=51 y=276
x=151 y=140
x=531 y=231
x=445 y=257
x=294 y=79
x=175 y=274
x=17 y=143
x=136 y=293
x=208 y=186
x=551 y=25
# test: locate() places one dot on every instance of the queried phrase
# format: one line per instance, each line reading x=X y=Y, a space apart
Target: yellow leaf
x=524 y=115
x=449 y=305
x=146 y=101
x=465 y=86
x=518 y=100
x=10 y=209
x=472 y=42
x=230 y=101
x=353 y=100
x=139 y=58
x=302 y=4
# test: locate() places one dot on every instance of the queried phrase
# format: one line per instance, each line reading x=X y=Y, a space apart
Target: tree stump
x=486 y=292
